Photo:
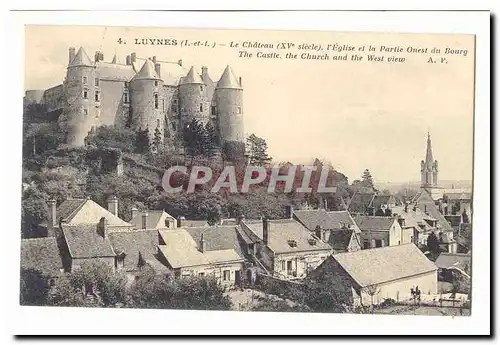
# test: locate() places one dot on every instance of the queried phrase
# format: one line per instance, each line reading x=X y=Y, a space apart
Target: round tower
x=193 y=99
x=229 y=104
x=80 y=98
x=146 y=100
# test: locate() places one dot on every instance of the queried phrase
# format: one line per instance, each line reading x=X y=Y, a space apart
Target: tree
x=465 y=217
x=157 y=140
x=142 y=144
x=367 y=179
x=106 y=137
x=211 y=140
x=34 y=288
x=257 y=151
x=34 y=211
x=233 y=151
x=194 y=138
x=433 y=244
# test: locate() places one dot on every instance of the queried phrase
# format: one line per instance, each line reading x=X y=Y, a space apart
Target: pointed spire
x=228 y=80
x=81 y=59
x=147 y=71
x=116 y=60
x=192 y=77
x=429 y=160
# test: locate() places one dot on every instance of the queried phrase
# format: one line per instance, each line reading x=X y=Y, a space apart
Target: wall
x=395 y=236
x=113 y=111
x=228 y=101
x=142 y=106
x=371 y=236
x=407 y=235
x=191 y=97
x=53 y=98
x=302 y=263
x=216 y=270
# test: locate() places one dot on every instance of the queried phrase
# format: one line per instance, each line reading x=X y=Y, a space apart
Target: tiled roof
x=374 y=223
x=416 y=219
x=446 y=260
x=114 y=71
x=380 y=265
x=313 y=218
x=41 y=254
x=132 y=243
x=282 y=231
x=228 y=80
x=360 y=202
x=85 y=242
x=340 y=239
x=342 y=217
x=81 y=59
x=191 y=78
x=181 y=250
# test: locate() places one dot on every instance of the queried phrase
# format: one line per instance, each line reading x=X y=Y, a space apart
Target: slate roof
x=281 y=231
x=340 y=239
x=360 y=202
x=86 y=211
x=217 y=237
x=68 y=207
x=152 y=220
x=342 y=217
x=379 y=200
x=416 y=219
x=134 y=242
x=374 y=223
x=81 y=59
x=114 y=71
x=313 y=218
x=252 y=228
x=41 y=254
x=191 y=78
x=446 y=260
x=193 y=223
x=228 y=80
x=425 y=202
x=181 y=250
x=147 y=71
x=85 y=242
x=379 y=265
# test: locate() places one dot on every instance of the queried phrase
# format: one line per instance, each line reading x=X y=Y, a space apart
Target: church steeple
x=429 y=160
x=429 y=167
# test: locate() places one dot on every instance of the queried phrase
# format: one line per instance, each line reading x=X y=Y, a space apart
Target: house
x=382 y=231
x=450 y=265
x=424 y=202
x=203 y=251
x=373 y=275
x=42 y=254
x=286 y=248
x=152 y=219
x=420 y=225
x=383 y=202
x=342 y=220
x=346 y=240
x=84 y=211
x=371 y=204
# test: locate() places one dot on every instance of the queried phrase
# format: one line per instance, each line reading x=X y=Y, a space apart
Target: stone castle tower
x=144 y=93
x=429 y=168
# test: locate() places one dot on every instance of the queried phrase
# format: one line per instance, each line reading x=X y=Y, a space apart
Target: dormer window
x=201 y=87
x=214 y=110
x=239 y=110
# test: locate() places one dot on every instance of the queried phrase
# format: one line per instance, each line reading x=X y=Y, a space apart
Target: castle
x=143 y=93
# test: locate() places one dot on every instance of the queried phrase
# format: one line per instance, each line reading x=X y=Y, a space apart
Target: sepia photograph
x=248 y=170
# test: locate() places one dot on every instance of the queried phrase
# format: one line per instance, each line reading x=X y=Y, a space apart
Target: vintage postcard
x=248 y=170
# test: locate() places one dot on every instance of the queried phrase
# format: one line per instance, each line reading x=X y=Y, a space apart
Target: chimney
x=204 y=71
x=97 y=56
x=144 y=220
x=133 y=57
x=113 y=205
x=128 y=60
x=102 y=227
x=406 y=207
x=265 y=231
x=179 y=62
x=203 y=247
x=157 y=69
x=179 y=223
x=289 y=211
x=134 y=212
x=154 y=59
x=53 y=213
x=71 y=54
x=241 y=84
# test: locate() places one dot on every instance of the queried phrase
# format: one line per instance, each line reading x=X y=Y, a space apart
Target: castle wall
x=113 y=110
x=170 y=107
x=53 y=98
x=194 y=103
x=142 y=104
x=229 y=104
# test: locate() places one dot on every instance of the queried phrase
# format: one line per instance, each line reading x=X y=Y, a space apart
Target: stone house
x=373 y=275
x=382 y=231
x=453 y=264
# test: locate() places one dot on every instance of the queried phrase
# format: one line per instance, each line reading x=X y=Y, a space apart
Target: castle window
x=214 y=110
x=158 y=123
x=97 y=96
x=201 y=87
x=156 y=82
x=96 y=81
x=85 y=111
x=125 y=97
x=201 y=107
x=156 y=100
x=85 y=81
x=239 y=110
x=97 y=112
x=85 y=93
x=163 y=104
x=174 y=127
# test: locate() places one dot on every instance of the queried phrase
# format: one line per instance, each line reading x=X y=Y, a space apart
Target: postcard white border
x=30 y=320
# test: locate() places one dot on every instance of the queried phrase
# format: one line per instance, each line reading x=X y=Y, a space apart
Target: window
x=214 y=110
x=156 y=82
x=239 y=110
x=227 y=275
x=125 y=97
x=85 y=93
x=289 y=265
x=411 y=239
x=399 y=242
x=85 y=111
x=85 y=80
x=201 y=87
x=174 y=107
x=97 y=96
x=174 y=127
x=97 y=112
x=201 y=107
x=156 y=100
x=283 y=265
x=158 y=123
x=366 y=244
x=201 y=274
x=378 y=243
x=163 y=105
x=97 y=82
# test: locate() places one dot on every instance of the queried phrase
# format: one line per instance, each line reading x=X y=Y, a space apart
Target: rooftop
x=374 y=223
x=85 y=242
x=447 y=260
x=313 y=218
x=41 y=254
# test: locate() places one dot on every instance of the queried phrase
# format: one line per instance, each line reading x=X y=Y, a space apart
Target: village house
x=370 y=276
x=152 y=219
x=42 y=254
x=285 y=248
x=420 y=224
x=203 y=251
x=451 y=265
x=371 y=204
x=382 y=231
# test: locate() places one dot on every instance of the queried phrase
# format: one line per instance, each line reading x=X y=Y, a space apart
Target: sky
x=356 y=115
